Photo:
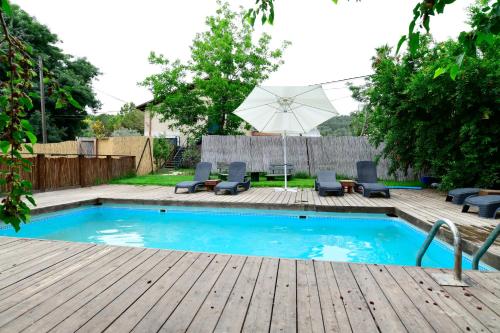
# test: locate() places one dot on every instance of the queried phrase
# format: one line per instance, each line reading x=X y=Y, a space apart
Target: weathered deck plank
x=121 y=289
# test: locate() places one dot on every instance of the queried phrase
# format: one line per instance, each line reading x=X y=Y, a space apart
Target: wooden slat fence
x=55 y=172
x=308 y=154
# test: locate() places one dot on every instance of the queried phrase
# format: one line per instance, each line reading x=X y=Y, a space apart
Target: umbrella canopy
x=286 y=109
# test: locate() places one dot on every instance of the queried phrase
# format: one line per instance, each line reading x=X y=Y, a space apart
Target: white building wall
x=156 y=128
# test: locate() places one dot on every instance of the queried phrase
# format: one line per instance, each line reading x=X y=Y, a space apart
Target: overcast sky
x=329 y=42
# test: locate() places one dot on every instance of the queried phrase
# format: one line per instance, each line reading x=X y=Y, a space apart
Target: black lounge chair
x=367 y=180
x=488 y=205
x=458 y=195
x=236 y=178
x=327 y=182
x=201 y=174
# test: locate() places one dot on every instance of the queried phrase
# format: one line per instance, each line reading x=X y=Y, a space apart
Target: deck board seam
x=104 y=290
x=138 y=297
x=208 y=294
x=368 y=303
x=47 y=267
x=230 y=292
x=166 y=291
x=194 y=283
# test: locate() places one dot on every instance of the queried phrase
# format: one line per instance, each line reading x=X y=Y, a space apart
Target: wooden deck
x=67 y=287
x=422 y=208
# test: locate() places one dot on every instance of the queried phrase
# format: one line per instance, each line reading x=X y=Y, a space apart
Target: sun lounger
x=327 y=182
x=201 y=174
x=367 y=180
x=488 y=205
x=236 y=178
x=458 y=195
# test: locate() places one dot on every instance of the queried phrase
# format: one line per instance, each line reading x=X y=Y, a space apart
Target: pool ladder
x=457 y=246
x=486 y=245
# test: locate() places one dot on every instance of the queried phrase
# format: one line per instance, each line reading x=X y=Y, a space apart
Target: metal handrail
x=486 y=245
x=457 y=245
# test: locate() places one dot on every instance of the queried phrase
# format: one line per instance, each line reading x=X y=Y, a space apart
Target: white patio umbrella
x=286 y=110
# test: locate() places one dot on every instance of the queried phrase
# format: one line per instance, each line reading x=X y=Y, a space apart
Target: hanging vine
x=16 y=89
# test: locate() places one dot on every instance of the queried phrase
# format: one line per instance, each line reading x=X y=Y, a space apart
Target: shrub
x=162 y=148
x=302 y=175
x=191 y=156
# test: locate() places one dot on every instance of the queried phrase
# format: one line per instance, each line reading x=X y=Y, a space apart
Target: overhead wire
x=196 y=106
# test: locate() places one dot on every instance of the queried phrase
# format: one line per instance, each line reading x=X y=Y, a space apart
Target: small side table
x=211 y=183
x=348 y=185
x=488 y=192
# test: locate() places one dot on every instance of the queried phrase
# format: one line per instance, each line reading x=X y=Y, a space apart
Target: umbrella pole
x=284 y=154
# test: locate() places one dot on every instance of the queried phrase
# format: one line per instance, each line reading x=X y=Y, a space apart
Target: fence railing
x=53 y=171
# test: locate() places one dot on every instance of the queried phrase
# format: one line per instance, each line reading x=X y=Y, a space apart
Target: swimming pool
x=347 y=237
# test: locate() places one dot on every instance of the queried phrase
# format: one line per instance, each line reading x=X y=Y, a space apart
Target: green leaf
x=26 y=102
x=440 y=7
x=6 y=8
x=60 y=103
x=400 y=43
x=335 y=1
x=31 y=137
x=454 y=69
x=29 y=148
x=73 y=102
x=31 y=200
x=29 y=48
x=26 y=125
x=4 y=146
x=426 y=22
x=270 y=19
x=411 y=27
x=485 y=37
x=439 y=72
x=414 y=42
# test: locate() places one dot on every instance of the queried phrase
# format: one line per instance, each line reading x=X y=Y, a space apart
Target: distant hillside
x=337 y=126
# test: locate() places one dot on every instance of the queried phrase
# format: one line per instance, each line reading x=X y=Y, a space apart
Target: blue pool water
x=348 y=237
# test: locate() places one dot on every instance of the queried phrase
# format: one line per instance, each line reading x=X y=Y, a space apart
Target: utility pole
x=42 y=101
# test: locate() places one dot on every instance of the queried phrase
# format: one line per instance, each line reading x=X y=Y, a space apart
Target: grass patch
x=167 y=179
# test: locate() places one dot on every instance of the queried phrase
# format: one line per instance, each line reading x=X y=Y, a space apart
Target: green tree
x=131 y=118
x=107 y=123
x=440 y=125
x=336 y=126
x=54 y=133
x=226 y=64
x=76 y=73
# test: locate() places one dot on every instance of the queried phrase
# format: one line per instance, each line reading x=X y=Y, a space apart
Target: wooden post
x=109 y=166
x=81 y=175
x=140 y=159
x=151 y=156
x=40 y=172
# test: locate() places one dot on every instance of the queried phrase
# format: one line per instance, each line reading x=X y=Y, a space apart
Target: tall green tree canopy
x=75 y=73
x=226 y=64
x=437 y=124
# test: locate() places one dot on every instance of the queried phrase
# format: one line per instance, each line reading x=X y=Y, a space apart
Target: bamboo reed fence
x=50 y=172
x=307 y=154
